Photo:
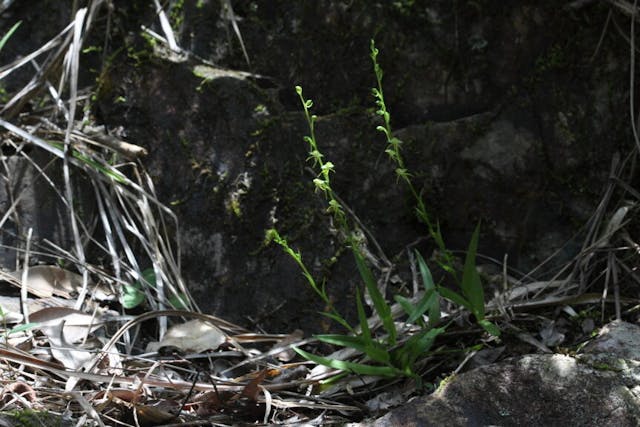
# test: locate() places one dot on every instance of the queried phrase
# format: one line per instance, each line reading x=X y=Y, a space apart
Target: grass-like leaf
x=337 y=318
x=426 y=303
x=94 y=164
x=471 y=284
x=489 y=327
x=406 y=356
x=23 y=327
x=374 y=350
x=379 y=303
x=362 y=318
x=406 y=304
x=356 y=368
x=431 y=300
x=8 y=34
x=454 y=297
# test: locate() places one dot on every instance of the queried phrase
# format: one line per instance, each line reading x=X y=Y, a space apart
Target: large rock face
x=596 y=388
x=508 y=114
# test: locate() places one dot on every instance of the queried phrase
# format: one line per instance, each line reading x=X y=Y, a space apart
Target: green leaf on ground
x=356 y=368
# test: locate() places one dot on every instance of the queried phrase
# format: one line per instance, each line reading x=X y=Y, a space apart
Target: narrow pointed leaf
x=406 y=305
x=454 y=297
x=362 y=318
x=416 y=346
x=425 y=273
x=339 y=319
x=471 y=284
x=429 y=302
x=379 y=303
x=8 y=34
x=489 y=327
x=374 y=350
x=356 y=368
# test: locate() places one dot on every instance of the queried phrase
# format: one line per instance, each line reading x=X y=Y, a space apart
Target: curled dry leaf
x=18 y=388
x=252 y=389
x=195 y=335
x=64 y=323
x=65 y=327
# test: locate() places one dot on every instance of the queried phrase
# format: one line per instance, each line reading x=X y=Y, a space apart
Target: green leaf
x=406 y=356
x=489 y=327
x=454 y=297
x=23 y=327
x=432 y=302
x=406 y=305
x=149 y=276
x=471 y=284
x=110 y=172
x=425 y=273
x=379 y=303
x=362 y=318
x=356 y=368
x=8 y=34
x=132 y=296
x=357 y=343
x=339 y=319
x=178 y=302
x=374 y=350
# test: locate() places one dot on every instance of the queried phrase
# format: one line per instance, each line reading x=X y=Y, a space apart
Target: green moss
x=31 y=418
x=176 y=15
x=445 y=381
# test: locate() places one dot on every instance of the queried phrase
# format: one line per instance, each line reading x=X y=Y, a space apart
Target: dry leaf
x=66 y=323
x=288 y=354
x=252 y=390
x=195 y=335
x=152 y=416
x=550 y=335
x=129 y=396
x=385 y=401
x=18 y=388
x=64 y=327
x=529 y=339
x=45 y=281
x=486 y=356
x=11 y=307
x=211 y=402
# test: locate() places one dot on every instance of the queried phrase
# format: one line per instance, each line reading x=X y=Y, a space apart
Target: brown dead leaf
x=210 y=402
x=129 y=396
x=252 y=389
x=18 y=388
x=194 y=335
x=152 y=416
